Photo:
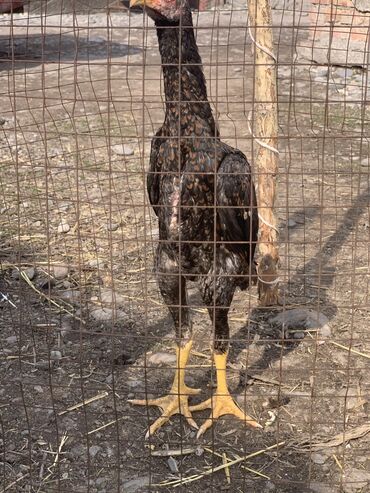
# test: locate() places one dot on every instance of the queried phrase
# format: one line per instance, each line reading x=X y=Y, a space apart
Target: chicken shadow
x=34 y=49
x=325 y=256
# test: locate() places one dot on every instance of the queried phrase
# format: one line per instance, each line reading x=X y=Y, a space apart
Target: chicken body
x=202 y=192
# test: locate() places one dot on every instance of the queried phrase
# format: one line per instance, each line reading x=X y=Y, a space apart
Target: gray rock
x=2 y=121
x=30 y=273
x=63 y=227
x=291 y=223
x=11 y=340
x=365 y=162
x=59 y=271
x=172 y=464
x=111 y=297
x=94 y=450
x=318 y=458
x=134 y=384
x=302 y=318
x=112 y=226
x=72 y=295
x=123 y=150
x=55 y=355
x=78 y=451
x=107 y=314
x=162 y=358
x=135 y=484
x=269 y=486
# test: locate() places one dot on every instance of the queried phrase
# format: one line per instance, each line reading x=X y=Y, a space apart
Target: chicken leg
x=221 y=402
x=176 y=402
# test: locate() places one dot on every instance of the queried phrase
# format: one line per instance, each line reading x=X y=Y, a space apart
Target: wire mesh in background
x=83 y=326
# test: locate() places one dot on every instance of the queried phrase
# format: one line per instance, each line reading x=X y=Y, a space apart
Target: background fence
x=83 y=326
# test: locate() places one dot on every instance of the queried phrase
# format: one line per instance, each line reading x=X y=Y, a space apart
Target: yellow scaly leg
x=176 y=402
x=221 y=402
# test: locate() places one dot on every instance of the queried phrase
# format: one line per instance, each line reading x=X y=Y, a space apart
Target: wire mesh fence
x=84 y=327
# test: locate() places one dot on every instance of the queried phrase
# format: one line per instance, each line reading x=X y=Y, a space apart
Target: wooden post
x=265 y=130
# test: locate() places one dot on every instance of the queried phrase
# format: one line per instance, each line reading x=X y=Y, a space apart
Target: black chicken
x=202 y=192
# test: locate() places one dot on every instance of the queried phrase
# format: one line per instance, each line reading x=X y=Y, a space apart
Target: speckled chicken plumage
x=191 y=172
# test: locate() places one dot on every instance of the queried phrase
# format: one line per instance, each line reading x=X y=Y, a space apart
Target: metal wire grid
x=77 y=238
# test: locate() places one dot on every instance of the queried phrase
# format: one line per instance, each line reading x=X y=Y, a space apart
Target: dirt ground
x=85 y=328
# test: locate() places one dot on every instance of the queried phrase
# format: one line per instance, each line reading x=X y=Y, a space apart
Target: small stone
x=318 y=458
x=134 y=384
x=172 y=464
x=302 y=318
x=111 y=297
x=55 y=355
x=63 y=227
x=365 y=162
x=37 y=224
x=162 y=358
x=107 y=314
x=97 y=263
x=101 y=482
x=11 y=340
x=135 y=484
x=112 y=226
x=123 y=150
x=72 y=295
x=291 y=223
x=59 y=271
x=38 y=389
x=2 y=121
x=30 y=273
x=94 y=450
x=269 y=486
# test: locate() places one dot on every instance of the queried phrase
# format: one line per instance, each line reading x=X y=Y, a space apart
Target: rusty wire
x=83 y=325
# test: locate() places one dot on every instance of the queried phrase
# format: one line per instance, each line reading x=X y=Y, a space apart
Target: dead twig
x=47 y=298
x=336 y=440
x=207 y=472
x=84 y=403
x=174 y=452
x=354 y=351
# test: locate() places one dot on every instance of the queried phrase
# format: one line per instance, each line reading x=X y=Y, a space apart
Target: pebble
x=94 y=450
x=303 y=318
x=162 y=358
x=134 y=384
x=318 y=458
x=107 y=314
x=55 y=355
x=63 y=228
x=2 y=121
x=135 y=484
x=112 y=226
x=172 y=464
x=111 y=297
x=59 y=271
x=365 y=162
x=30 y=273
x=123 y=150
x=72 y=295
x=11 y=340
